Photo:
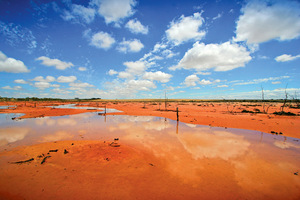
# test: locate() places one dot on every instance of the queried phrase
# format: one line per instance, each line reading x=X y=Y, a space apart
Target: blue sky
x=118 y=49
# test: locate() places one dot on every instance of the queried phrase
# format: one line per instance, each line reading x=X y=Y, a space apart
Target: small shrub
x=256 y=110
x=295 y=107
x=284 y=113
x=247 y=111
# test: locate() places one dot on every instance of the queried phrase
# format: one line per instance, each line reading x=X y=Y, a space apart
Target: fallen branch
x=23 y=161
x=44 y=160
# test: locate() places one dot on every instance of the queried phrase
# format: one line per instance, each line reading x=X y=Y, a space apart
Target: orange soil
x=217 y=114
x=97 y=170
x=90 y=170
x=212 y=114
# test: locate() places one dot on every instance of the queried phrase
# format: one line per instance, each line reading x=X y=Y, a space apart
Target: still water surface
x=251 y=160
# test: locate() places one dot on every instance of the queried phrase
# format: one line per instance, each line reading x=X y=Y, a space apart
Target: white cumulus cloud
x=191 y=80
x=81 y=85
x=125 y=75
x=136 y=27
x=168 y=53
x=66 y=79
x=133 y=68
x=144 y=85
x=186 y=28
x=41 y=79
x=79 y=13
x=116 y=10
x=136 y=68
x=11 y=65
x=134 y=45
x=158 y=47
x=21 y=81
x=158 y=76
x=102 y=40
x=12 y=88
x=58 y=64
x=286 y=57
x=220 y=57
x=205 y=82
x=42 y=85
x=82 y=69
x=262 y=21
x=112 y=72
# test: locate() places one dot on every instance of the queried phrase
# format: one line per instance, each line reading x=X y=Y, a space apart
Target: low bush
x=284 y=113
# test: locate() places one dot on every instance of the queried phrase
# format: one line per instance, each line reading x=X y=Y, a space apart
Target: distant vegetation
x=45 y=99
x=156 y=100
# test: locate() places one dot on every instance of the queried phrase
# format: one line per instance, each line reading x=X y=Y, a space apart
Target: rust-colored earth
x=112 y=170
x=228 y=115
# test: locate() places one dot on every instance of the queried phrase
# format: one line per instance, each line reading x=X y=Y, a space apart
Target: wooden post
x=165 y=100
x=105 y=110
x=177 y=114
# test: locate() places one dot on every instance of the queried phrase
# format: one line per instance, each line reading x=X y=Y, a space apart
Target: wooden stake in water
x=177 y=114
x=105 y=110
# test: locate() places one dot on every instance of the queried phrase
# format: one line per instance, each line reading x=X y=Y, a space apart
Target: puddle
x=73 y=106
x=7 y=107
x=201 y=159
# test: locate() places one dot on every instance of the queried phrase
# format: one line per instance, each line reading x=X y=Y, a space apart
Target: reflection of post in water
x=261 y=136
x=177 y=127
x=105 y=113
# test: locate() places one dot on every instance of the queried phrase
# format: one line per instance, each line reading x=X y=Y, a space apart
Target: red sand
x=213 y=114
x=97 y=170
x=218 y=114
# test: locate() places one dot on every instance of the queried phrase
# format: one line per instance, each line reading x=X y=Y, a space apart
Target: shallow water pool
x=199 y=157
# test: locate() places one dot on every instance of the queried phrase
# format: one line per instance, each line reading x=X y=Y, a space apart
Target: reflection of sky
x=189 y=153
x=12 y=134
x=213 y=144
x=6 y=107
x=73 y=106
x=285 y=145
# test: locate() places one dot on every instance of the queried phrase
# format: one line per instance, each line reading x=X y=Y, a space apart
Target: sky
x=130 y=49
